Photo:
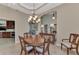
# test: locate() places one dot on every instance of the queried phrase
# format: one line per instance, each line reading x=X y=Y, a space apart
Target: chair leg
x=48 y=53
x=25 y=52
x=61 y=46
x=21 y=51
x=77 y=50
x=67 y=51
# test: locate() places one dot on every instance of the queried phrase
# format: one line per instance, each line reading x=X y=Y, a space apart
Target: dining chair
x=24 y=46
x=77 y=44
x=43 y=48
x=71 y=43
x=46 y=37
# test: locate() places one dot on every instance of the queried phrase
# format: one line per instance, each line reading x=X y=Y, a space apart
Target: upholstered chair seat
x=39 y=49
x=29 y=48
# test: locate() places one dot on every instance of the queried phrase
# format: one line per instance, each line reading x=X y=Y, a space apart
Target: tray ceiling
x=27 y=8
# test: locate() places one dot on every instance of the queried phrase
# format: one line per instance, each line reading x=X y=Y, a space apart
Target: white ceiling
x=27 y=8
x=30 y=5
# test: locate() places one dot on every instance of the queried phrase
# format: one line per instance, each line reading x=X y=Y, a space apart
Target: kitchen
x=7 y=32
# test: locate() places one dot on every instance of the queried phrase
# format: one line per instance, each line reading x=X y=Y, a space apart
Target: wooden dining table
x=34 y=42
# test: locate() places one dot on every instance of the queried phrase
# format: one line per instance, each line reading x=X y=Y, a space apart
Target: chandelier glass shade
x=33 y=18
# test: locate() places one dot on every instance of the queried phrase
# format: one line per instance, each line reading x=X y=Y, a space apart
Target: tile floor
x=10 y=48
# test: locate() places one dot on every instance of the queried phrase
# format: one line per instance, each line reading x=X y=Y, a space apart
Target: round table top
x=34 y=41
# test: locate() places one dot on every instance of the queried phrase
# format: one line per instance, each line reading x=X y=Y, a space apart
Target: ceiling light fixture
x=34 y=18
x=54 y=15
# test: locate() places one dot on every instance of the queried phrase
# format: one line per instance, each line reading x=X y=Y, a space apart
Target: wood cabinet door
x=6 y=34
x=0 y=34
x=10 y=24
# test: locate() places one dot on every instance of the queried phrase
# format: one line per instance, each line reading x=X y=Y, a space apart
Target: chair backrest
x=30 y=36
x=48 y=36
x=21 y=41
x=77 y=40
x=25 y=35
x=72 y=37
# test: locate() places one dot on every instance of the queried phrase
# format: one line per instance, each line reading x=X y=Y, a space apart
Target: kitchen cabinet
x=7 y=30
x=0 y=34
x=6 y=34
x=10 y=24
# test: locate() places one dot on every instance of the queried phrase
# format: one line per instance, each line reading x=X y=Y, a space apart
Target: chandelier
x=33 y=18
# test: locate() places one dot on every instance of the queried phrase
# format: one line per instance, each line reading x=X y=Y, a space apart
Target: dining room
x=39 y=28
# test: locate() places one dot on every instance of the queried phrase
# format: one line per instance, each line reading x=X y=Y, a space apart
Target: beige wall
x=21 y=25
x=67 y=20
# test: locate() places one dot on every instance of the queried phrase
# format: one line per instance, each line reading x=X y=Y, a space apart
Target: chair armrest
x=64 y=39
x=76 y=43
